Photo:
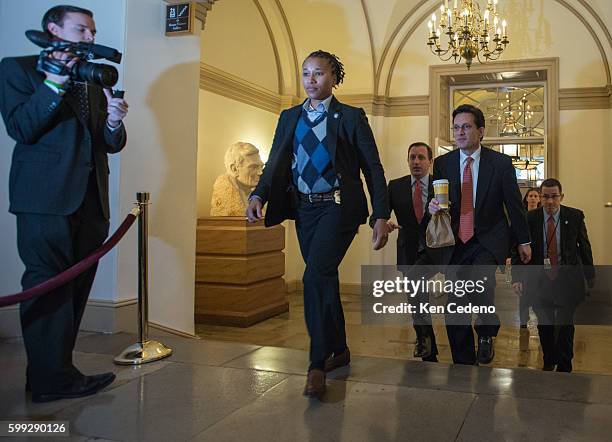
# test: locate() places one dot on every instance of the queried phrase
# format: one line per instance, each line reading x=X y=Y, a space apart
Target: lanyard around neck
x=547 y=237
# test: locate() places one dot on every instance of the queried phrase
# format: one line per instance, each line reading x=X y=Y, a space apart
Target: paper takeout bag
x=439 y=232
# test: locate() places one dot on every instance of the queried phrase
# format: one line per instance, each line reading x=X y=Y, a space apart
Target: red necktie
x=417 y=201
x=466 y=220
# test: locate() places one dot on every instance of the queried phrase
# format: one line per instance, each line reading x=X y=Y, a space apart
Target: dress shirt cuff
x=525 y=244
x=113 y=129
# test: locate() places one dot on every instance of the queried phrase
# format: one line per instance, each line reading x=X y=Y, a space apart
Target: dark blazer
x=352 y=149
x=496 y=194
x=400 y=200
x=575 y=255
x=55 y=150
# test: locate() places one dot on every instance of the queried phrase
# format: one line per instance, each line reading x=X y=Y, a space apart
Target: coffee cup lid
x=441 y=181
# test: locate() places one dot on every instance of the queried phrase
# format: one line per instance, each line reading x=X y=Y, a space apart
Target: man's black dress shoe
x=485 y=349
x=422 y=349
x=85 y=386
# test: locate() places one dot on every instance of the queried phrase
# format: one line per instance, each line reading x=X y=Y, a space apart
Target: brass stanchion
x=144 y=350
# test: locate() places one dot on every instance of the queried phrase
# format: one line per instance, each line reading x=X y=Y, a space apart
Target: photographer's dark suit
x=556 y=296
x=58 y=189
x=498 y=200
x=413 y=257
x=325 y=229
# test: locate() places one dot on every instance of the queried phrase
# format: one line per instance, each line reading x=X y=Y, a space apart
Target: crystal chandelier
x=470 y=33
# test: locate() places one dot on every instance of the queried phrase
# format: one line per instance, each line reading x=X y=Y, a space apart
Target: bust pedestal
x=239 y=269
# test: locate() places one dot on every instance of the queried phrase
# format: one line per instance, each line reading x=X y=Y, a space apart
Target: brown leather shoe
x=315 y=384
x=337 y=361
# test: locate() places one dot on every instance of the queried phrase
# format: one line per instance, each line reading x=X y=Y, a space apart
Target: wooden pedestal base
x=239 y=269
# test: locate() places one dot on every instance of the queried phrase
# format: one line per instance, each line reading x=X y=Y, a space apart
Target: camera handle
x=47 y=64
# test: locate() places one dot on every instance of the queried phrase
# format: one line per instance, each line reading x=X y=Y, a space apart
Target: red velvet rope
x=72 y=272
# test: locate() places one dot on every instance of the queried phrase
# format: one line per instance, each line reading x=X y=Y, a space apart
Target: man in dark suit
x=562 y=261
x=58 y=188
x=408 y=198
x=482 y=189
x=313 y=176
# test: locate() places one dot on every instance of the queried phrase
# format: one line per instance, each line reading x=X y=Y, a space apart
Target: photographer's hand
x=69 y=59
x=117 y=109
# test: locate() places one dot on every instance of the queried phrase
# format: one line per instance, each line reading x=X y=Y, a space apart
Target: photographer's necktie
x=79 y=92
x=466 y=219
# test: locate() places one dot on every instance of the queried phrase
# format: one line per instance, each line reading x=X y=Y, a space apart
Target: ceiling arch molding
x=598 y=19
x=279 y=69
x=424 y=16
x=400 y=47
x=396 y=31
x=296 y=69
x=589 y=28
x=371 y=39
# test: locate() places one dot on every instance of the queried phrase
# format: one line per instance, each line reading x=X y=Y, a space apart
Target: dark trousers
x=47 y=245
x=323 y=243
x=556 y=331
x=423 y=267
x=471 y=261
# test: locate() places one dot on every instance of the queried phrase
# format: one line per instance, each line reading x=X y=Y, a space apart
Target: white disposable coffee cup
x=441 y=192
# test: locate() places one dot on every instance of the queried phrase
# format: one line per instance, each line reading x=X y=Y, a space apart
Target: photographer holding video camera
x=64 y=124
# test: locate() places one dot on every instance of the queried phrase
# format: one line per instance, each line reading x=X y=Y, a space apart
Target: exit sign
x=179 y=18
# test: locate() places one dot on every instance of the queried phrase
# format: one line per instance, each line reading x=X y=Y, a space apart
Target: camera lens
x=101 y=74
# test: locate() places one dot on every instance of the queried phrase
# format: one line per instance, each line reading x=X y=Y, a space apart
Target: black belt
x=319 y=197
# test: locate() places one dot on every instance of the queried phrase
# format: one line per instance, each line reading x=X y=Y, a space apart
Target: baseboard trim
x=172 y=331
x=10 y=325
x=100 y=316
x=111 y=316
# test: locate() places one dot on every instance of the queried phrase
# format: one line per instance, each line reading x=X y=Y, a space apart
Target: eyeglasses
x=556 y=196
x=465 y=127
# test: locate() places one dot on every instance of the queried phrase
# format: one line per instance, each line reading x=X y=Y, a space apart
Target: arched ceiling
x=372 y=37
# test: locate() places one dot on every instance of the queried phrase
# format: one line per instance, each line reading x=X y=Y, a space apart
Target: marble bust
x=243 y=167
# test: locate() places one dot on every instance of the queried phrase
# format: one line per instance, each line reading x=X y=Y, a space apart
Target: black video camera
x=101 y=74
